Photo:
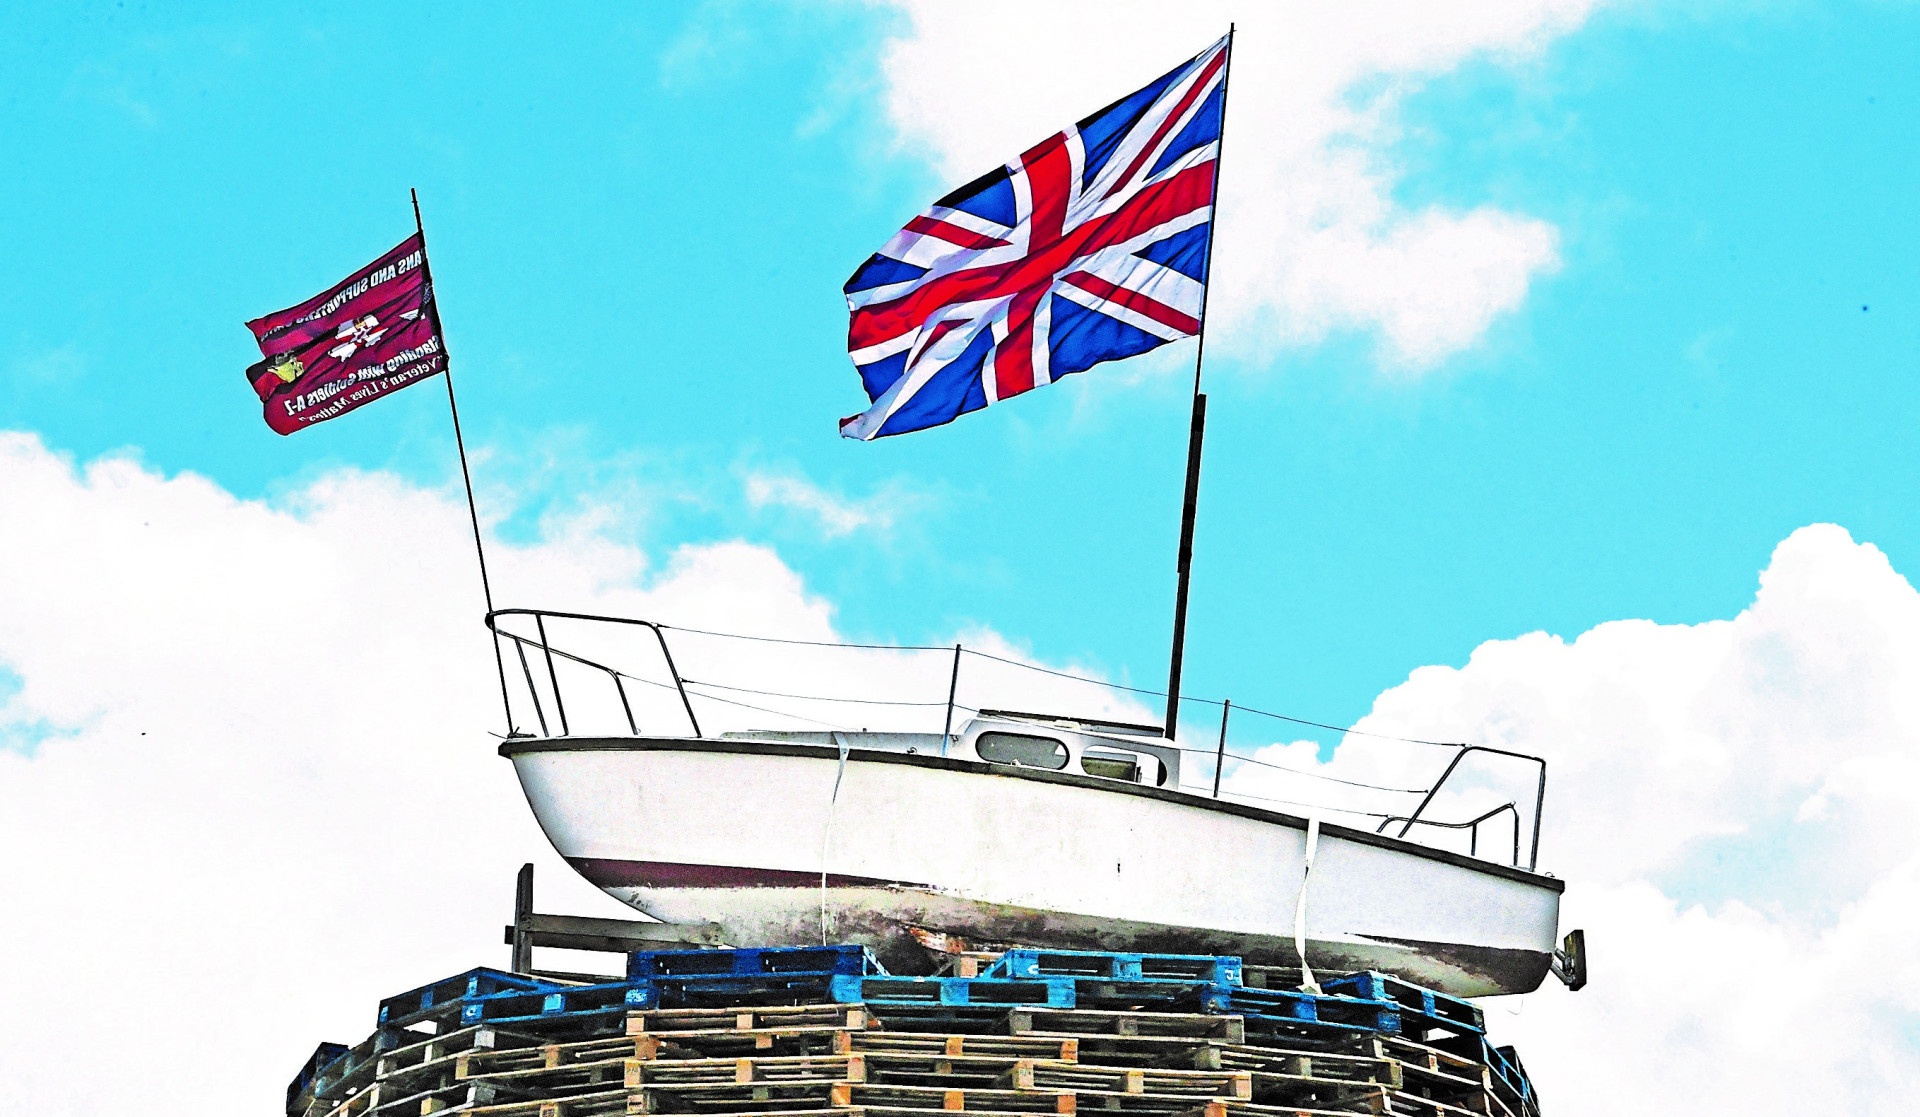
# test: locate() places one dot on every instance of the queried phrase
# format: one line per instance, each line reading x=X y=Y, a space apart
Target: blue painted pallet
x=1423 y=1007
x=328 y=1079
x=1377 y=1016
x=297 y=1093
x=970 y=992
x=613 y=999
x=1504 y=1062
x=431 y=1000
x=776 y=963
x=785 y=975
x=1185 y=996
x=684 y=977
x=1155 y=995
x=1212 y=969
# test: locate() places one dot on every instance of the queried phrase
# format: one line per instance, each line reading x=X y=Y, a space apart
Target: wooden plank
x=1037 y=1074
x=1248 y=1109
x=707 y=1021
x=1078 y=1022
x=937 y=1043
x=579 y=932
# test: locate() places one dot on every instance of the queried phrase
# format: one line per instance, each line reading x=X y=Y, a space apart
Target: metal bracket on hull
x=1569 y=962
x=578 y=932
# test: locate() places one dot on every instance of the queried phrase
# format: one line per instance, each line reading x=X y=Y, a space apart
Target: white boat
x=1017 y=829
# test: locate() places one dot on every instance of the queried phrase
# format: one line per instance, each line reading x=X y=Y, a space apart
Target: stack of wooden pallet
x=824 y=1032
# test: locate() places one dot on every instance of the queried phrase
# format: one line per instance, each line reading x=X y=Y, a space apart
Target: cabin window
x=1021 y=749
x=1111 y=765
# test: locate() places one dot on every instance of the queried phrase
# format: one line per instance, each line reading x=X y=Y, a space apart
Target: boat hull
x=740 y=834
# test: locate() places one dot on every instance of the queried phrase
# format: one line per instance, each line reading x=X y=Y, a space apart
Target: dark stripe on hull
x=609 y=872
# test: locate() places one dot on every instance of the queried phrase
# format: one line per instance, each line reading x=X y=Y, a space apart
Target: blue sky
x=640 y=222
x=1532 y=316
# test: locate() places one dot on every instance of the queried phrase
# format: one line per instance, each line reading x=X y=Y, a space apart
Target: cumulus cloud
x=247 y=786
x=247 y=773
x=1731 y=803
x=247 y=782
x=1313 y=239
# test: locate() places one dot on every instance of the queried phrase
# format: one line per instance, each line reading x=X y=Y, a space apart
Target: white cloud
x=1312 y=239
x=52 y=366
x=835 y=514
x=247 y=787
x=1735 y=929
x=247 y=772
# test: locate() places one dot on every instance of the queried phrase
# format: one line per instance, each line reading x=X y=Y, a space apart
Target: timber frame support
x=578 y=932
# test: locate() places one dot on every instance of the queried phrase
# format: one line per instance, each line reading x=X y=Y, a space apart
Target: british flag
x=1092 y=247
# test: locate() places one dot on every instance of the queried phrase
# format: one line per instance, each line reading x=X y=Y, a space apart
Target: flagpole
x=460 y=443
x=1197 y=433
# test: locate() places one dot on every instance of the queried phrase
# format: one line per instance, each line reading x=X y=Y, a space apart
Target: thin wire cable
x=743 y=705
x=584 y=662
x=775 y=713
x=1210 y=702
x=1234 y=794
x=1076 y=678
x=809 y=643
x=707 y=697
x=1309 y=775
x=807 y=697
x=1309 y=806
x=1353 y=731
x=1342 y=729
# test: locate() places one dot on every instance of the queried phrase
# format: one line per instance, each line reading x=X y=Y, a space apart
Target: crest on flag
x=1091 y=247
x=372 y=333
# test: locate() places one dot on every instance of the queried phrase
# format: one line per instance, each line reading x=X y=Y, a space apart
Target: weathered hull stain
x=738 y=833
x=883 y=918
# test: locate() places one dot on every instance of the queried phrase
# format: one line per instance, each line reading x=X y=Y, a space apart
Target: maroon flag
x=373 y=333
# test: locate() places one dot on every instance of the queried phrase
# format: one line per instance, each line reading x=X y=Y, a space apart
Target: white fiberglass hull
x=739 y=833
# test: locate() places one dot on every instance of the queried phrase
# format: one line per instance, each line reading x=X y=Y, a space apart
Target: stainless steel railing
x=601 y=647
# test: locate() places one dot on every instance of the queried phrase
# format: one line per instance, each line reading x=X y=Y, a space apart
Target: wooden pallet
x=975 y=1072
x=1036 y=1074
x=485 y=1061
x=1206 y=969
x=606 y=1102
x=771 y=1018
x=1076 y=1022
x=1361 y=1061
x=862 y=1060
x=691 y=1074
x=1374 y=1103
x=924 y=1043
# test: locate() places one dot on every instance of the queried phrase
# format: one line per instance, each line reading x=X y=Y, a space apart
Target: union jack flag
x=1092 y=247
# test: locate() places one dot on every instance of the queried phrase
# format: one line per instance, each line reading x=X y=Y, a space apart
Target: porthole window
x=1021 y=749
x=1112 y=765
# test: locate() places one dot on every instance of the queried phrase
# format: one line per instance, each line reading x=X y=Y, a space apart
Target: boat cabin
x=1136 y=754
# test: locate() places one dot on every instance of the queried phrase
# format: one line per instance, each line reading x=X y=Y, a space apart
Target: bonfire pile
x=824 y=1031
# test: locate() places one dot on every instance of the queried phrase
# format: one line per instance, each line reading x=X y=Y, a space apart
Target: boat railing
x=1540 y=798
x=628 y=676
x=1471 y=826
x=549 y=654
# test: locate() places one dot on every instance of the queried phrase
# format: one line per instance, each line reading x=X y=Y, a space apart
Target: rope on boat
x=1307 y=983
x=826 y=838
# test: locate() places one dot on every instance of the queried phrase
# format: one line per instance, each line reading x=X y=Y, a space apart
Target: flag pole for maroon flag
x=460 y=444
x=1197 y=433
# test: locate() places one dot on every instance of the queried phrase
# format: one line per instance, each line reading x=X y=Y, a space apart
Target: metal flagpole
x=1197 y=433
x=460 y=443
